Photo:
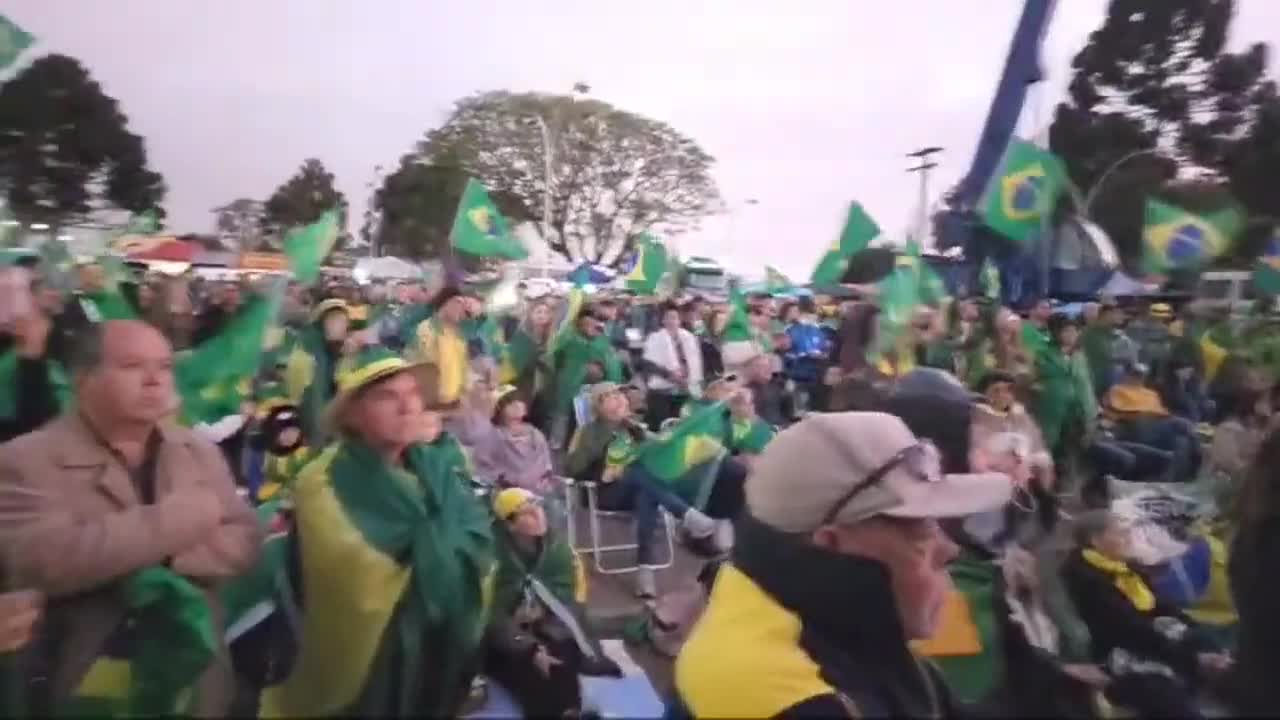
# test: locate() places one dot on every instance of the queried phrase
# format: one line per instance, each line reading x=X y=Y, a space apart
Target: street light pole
x=548 y=172
x=1089 y=197
x=924 y=156
x=733 y=216
x=546 y=193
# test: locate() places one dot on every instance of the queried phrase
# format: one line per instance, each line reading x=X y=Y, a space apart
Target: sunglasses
x=921 y=461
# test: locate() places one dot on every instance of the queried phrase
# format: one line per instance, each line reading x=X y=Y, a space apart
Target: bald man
x=114 y=487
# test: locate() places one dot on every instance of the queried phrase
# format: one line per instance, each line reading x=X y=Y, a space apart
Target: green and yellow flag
x=859 y=230
x=213 y=377
x=898 y=295
x=1174 y=239
x=1266 y=270
x=1023 y=191
x=646 y=266
x=13 y=41
x=776 y=282
x=990 y=280
x=738 y=328
x=694 y=441
x=479 y=229
x=307 y=247
x=175 y=644
x=930 y=289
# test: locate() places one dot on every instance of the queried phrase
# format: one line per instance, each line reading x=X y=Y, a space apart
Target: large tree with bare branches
x=613 y=174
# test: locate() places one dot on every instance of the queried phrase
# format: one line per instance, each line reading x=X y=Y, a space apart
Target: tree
x=1156 y=99
x=416 y=205
x=65 y=148
x=614 y=174
x=239 y=223
x=301 y=200
x=1252 y=162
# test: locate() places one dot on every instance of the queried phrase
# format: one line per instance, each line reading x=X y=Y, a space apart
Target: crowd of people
x=404 y=463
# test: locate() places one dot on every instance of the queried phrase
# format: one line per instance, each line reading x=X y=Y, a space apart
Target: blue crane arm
x=1021 y=70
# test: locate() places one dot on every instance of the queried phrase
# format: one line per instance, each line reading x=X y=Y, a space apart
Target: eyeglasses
x=922 y=461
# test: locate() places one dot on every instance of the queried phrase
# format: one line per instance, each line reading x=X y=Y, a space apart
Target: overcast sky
x=806 y=104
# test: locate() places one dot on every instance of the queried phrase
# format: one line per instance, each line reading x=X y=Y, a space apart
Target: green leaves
x=47 y=112
x=613 y=174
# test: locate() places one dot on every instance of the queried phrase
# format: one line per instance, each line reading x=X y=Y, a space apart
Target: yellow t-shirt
x=444 y=347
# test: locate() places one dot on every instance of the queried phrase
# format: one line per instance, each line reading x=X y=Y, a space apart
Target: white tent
x=386 y=268
x=1121 y=285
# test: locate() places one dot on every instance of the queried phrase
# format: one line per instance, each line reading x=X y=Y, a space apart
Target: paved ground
x=611 y=598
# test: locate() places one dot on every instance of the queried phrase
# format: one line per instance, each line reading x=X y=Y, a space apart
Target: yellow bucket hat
x=511 y=501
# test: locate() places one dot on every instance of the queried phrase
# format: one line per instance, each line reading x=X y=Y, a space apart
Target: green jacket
x=1065 y=394
x=572 y=357
x=547 y=586
x=555 y=565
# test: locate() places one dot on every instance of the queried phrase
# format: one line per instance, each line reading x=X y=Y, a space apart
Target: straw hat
x=371 y=364
x=325 y=306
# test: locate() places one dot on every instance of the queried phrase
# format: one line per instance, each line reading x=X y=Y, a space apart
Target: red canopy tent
x=159 y=248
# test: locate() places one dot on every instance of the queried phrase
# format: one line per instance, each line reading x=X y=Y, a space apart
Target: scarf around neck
x=1124 y=578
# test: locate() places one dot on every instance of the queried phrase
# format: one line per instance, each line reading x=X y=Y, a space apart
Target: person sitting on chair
x=603 y=451
x=1152 y=652
x=1141 y=417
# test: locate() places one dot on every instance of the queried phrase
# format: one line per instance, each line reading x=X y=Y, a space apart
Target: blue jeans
x=1127 y=460
x=1174 y=435
x=643 y=494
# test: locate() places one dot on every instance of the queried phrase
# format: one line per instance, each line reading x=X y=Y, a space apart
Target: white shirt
x=660 y=349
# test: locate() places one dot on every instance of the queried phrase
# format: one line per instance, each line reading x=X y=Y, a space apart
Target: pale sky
x=806 y=104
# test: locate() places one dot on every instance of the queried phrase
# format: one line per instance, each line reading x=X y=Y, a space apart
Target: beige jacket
x=988 y=422
x=71 y=524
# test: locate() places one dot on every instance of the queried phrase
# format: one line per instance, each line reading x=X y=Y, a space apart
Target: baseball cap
x=600 y=390
x=841 y=468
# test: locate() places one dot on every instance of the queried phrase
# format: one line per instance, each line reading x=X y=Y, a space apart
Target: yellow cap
x=510 y=501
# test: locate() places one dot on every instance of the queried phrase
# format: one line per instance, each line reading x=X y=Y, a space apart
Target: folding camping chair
x=597 y=546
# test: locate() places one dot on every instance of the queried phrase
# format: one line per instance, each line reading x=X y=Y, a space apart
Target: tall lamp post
x=733 y=216
x=1087 y=204
x=548 y=173
x=924 y=159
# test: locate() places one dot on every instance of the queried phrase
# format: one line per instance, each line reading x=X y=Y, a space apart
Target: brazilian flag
x=174 y=643
x=859 y=230
x=775 y=282
x=307 y=247
x=13 y=40
x=1023 y=191
x=480 y=230
x=1174 y=239
x=693 y=442
x=213 y=377
x=738 y=328
x=990 y=280
x=1266 y=270
x=645 y=267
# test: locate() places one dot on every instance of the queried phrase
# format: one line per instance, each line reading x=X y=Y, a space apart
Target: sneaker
x=697 y=524
x=723 y=536
x=646 y=584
